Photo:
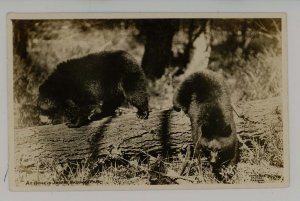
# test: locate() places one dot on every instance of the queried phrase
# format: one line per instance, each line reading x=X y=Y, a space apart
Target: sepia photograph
x=126 y=101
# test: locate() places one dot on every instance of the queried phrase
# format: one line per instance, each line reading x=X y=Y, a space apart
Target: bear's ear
x=69 y=103
x=206 y=131
x=176 y=108
x=176 y=103
x=227 y=131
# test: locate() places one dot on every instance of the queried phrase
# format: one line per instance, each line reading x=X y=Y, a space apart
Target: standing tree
x=159 y=35
x=20 y=38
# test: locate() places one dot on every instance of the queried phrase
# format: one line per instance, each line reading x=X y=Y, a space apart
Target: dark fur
x=94 y=86
x=204 y=97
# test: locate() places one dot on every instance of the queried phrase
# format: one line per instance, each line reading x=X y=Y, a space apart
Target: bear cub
x=204 y=97
x=94 y=86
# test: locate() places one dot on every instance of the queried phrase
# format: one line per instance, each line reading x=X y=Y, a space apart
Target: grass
x=176 y=170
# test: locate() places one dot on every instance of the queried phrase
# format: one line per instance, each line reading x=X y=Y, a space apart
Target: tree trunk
x=165 y=132
x=158 y=48
x=20 y=39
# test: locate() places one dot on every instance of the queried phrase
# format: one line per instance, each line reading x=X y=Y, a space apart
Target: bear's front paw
x=142 y=114
x=81 y=121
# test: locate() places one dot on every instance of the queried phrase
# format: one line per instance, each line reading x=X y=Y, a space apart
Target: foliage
x=260 y=77
x=25 y=78
x=248 y=53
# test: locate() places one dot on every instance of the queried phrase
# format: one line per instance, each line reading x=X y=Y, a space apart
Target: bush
x=258 y=77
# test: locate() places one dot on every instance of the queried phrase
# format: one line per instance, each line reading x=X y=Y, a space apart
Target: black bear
x=204 y=97
x=94 y=86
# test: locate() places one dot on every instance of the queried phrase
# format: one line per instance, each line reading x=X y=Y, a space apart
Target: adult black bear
x=204 y=97
x=92 y=87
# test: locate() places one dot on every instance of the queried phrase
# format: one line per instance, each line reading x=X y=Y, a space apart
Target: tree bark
x=165 y=132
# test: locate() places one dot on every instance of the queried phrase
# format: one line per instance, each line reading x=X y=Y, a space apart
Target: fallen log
x=165 y=132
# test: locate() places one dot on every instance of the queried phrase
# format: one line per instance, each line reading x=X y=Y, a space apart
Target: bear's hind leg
x=81 y=118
